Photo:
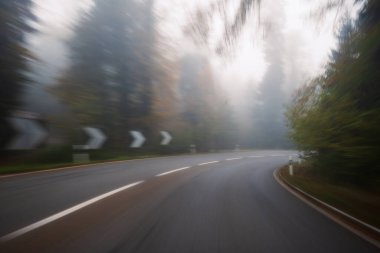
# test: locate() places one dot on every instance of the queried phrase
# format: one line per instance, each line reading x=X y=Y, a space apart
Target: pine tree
x=15 y=17
x=108 y=83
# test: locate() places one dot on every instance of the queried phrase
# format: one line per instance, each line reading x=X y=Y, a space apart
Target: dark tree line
x=15 y=24
x=15 y=17
x=119 y=80
x=108 y=83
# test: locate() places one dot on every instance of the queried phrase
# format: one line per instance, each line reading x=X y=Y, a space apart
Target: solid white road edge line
x=64 y=213
x=207 y=163
x=236 y=158
x=171 y=171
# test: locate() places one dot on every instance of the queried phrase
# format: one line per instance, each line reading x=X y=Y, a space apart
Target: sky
x=305 y=43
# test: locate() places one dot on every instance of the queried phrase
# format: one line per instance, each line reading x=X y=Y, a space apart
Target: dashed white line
x=207 y=163
x=64 y=213
x=256 y=156
x=171 y=171
x=236 y=158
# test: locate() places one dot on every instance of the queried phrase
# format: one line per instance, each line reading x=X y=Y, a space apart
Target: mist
x=157 y=77
x=177 y=125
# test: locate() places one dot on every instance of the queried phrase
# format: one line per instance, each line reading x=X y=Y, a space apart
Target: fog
x=159 y=76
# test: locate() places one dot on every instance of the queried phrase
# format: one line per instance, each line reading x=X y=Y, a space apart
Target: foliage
x=200 y=27
x=15 y=23
x=269 y=128
x=335 y=118
x=108 y=83
x=122 y=78
x=205 y=118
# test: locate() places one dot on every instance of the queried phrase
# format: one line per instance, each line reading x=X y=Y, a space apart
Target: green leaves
x=335 y=118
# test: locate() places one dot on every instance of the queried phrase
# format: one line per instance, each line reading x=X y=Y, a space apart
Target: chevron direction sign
x=30 y=132
x=166 y=138
x=138 y=139
x=95 y=141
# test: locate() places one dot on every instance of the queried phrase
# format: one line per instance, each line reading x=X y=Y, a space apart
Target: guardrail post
x=290 y=166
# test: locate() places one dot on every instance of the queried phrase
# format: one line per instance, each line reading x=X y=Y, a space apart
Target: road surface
x=225 y=202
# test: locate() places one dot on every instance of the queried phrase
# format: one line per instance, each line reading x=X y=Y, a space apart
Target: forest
x=123 y=75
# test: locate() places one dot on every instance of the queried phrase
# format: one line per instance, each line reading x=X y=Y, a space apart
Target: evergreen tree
x=15 y=17
x=269 y=129
x=108 y=83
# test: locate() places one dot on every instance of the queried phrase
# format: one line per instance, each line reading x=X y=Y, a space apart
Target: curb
x=356 y=226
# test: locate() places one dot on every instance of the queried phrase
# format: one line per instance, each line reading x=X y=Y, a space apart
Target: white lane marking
x=64 y=213
x=171 y=171
x=255 y=156
x=207 y=163
x=236 y=158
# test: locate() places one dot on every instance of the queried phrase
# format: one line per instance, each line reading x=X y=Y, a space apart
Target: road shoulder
x=362 y=229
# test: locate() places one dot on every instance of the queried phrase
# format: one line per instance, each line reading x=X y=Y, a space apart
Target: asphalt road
x=226 y=202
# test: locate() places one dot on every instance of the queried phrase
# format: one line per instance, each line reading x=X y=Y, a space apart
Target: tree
x=336 y=118
x=204 y=114
x=269 y=129
x=108 y=83
x=15 y=23
x=200 y=26
x=15 y=20
x=202 y=20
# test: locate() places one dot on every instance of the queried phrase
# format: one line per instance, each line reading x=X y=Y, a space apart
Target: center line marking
x=207 y=163
x=236 y=158
x=64 y=213
x=171 y=171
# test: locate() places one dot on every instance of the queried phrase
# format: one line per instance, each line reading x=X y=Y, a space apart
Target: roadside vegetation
x=122 y=73
x=51 y=158
x=335 y=118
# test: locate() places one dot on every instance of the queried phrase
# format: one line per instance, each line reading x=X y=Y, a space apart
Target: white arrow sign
x=97 y=138
x=30 y=133
x=138 y=139
x=166 y=138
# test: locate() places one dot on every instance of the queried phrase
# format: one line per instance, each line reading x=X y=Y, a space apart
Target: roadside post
x=193 y=149
x=95 y=141
x=290 y=165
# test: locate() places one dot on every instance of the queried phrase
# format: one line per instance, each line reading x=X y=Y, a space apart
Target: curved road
x=226 y=202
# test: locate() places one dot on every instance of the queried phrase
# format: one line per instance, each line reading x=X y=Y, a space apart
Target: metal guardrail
x=367 y=227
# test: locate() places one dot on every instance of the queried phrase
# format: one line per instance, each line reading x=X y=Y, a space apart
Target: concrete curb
x=356 y=226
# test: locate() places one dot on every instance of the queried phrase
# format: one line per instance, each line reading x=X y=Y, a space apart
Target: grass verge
x=37 y=166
